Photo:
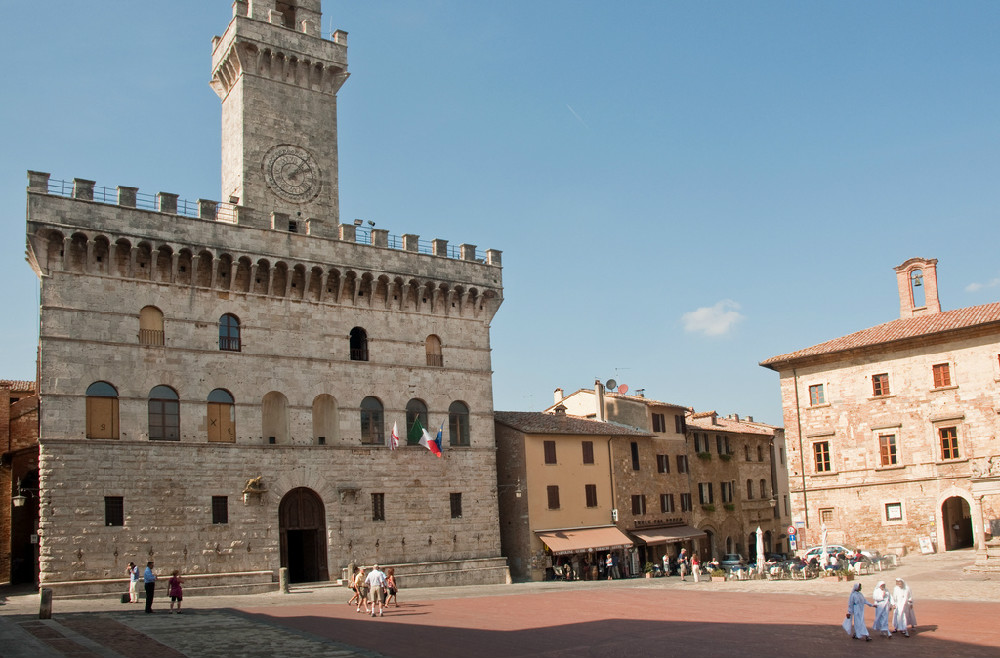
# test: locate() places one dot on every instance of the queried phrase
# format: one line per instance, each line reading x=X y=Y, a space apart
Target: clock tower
x=278 y=80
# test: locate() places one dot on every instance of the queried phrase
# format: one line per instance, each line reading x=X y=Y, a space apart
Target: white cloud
x=973 y=287
x=714 y=320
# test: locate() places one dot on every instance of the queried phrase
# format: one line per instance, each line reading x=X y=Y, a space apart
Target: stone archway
x=956 y=523
x=302 y=524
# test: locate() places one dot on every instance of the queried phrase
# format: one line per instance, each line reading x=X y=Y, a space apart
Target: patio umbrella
x=823 y=553
x=760 y=551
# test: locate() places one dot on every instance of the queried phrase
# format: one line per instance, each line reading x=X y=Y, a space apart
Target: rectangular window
x=685 y=502
x=816 y=395
x=378 y=507
x=718 y=443
x=942 y=375
x=697 y=442
x=679 y=424
x=682 y=464
x=220 y=509
x=663 y=463
x=456 y=505
x=553 y=492
x=659 y=423
x=667 y=503
x=821 y=452
x=726 y=491
x=725 y=440
x=887 y=449
x=782 y=453
x=550 y=452
x=705 y=494
x=635 y=456
x=114 y=510
x=949 y=442
x=588 y=452
x=894 y=511
x=826 y=515
x=786 y=504
x=880 y=384
x=639 y=504
x=591 y=491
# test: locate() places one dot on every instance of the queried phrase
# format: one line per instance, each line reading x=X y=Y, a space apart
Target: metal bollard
x=45 y=607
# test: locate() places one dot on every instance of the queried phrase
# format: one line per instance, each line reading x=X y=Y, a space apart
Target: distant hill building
x=893 y=430
x=219 y=380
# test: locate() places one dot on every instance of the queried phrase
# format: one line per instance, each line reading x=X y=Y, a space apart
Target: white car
x=833 y=549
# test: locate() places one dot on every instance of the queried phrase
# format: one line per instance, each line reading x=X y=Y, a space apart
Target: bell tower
x=278 y=81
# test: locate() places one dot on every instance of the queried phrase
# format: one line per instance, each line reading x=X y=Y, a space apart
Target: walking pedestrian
x=695 y=567
x=682 y=563
x=391 y=587
x=855 y=622
x=882 y=601
x=175 y=591
x=903 y=617
x=149 y=581
x=360 y=588
x=376 y=586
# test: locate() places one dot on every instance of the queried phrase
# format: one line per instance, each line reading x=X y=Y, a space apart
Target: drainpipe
x=802 y=454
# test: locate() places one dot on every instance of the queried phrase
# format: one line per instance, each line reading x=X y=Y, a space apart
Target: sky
x=679 y=189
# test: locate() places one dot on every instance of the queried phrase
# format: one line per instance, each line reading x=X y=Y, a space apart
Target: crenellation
x=83 y=189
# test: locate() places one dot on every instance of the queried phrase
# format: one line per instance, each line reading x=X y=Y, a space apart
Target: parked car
x=833 y=549
x=730 y=560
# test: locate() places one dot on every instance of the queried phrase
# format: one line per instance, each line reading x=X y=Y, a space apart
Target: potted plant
x=718 y=576
x=648 y=569
x=845 y=574
x=729 y=506
x=706 y=456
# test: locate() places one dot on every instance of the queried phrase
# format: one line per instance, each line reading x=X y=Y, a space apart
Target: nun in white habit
x=882 y=601
x=855 y=622
x=903 y=616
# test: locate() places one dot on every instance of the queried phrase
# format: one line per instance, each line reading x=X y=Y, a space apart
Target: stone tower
x=221 y=379
x=278 y=81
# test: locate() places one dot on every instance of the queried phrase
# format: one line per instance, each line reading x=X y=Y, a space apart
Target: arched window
x=760 y=453
x=102 y=411
x=274 y=417
x=746 y=449
x=221 y=417
x=372 y=432
x=326 y=424
x=359 y=344
x=749 y=489
x=729 y=544
x=229 y=333
x=458 y=424
x=415 y=410
x=150 y=326
x=164 y=414
x=763 y=489
x=434 y=356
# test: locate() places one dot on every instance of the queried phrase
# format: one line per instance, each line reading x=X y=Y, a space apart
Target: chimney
x=749 y=419
x=916 y=280
x=560 y=410
x=736 y=417
x=599 y=399
x=558 y=396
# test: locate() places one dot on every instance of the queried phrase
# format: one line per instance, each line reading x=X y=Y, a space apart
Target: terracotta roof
x=19 y=385
x=897 y=330
x=702 y=421
x=539 y=422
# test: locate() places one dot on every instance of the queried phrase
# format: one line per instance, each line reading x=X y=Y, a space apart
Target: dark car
x=730 y=560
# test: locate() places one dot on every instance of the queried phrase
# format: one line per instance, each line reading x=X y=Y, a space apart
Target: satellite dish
x=623 y=389
x=611 y=385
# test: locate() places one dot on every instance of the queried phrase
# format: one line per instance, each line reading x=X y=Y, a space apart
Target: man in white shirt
x=376 y=586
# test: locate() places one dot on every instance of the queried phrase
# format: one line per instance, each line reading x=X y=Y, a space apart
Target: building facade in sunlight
x=893 y=430
x=220 y=380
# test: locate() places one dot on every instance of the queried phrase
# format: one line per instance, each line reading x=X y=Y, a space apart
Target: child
x=174 y=590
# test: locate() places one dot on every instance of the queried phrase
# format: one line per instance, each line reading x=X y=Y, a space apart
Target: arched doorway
x=302 y=523
x=956 y=521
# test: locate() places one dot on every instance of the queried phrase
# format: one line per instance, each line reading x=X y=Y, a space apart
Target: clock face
x=291 y=173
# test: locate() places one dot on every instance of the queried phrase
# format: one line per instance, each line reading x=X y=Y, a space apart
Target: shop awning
x=668 y=535
x=581 y=540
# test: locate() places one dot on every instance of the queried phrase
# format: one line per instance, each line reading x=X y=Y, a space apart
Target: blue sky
x=680 y=190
